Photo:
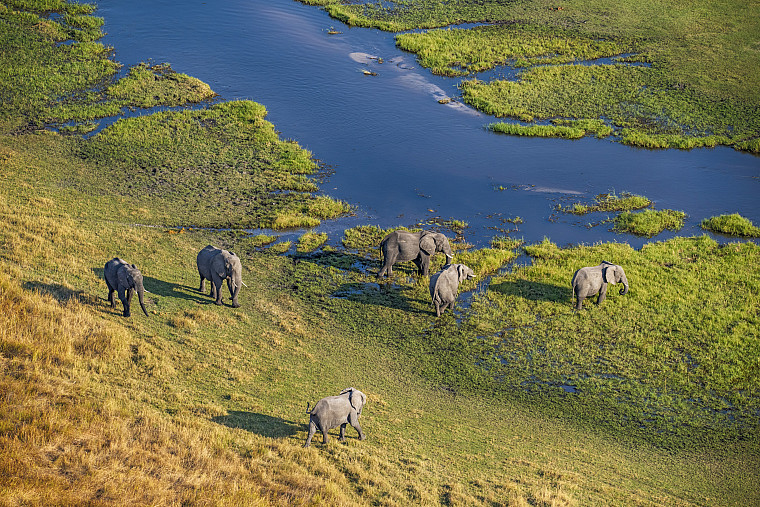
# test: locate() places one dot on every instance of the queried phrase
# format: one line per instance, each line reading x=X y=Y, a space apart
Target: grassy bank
x=199 y=404
x=681 y=76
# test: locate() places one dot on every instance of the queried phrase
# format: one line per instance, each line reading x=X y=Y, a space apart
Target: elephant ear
x=608 y=274
x=427 y=244
x=461 y=274
x=351 y=398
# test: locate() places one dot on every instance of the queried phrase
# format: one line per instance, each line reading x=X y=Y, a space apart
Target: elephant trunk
x=624 y=290
x=140 y=291
x=235 y=283
x=447 y=252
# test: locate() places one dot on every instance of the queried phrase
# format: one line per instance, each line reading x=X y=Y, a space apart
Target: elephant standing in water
x=125 y=279
x=593 y=280
x=334 y=411
x=444 y=286
x=401 y=246
x=218 y=265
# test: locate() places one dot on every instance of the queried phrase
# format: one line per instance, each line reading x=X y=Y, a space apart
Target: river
x=392 y=150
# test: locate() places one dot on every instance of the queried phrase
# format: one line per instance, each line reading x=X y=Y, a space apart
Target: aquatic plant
x=609 y=202
x=733 y=225
x=649 y=222
x=310 y=241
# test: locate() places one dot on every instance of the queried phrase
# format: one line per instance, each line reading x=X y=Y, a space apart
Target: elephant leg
x=602 y=295
x=579 y=301
x=202 y=288
x=424 y=265
x=125 y=298
x=324 y=436
x=437 y=309
x=355 y=423
x=218 y=290
x=111 y=290
x=312 y=430
x=342 y=437
x=418 y=263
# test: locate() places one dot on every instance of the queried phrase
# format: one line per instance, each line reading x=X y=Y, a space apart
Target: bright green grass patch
x=649 y=222
x=310 y=241
x=147 y=86
x=680 y=141
x=733 y=225
x=456 y=51
x=537 y=130
x=609 y=202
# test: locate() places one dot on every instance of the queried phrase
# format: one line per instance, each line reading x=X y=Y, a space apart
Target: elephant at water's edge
x=594 y=279
x=334 y=411
x=125 y=279
x=444 y=286
x=401 y=246
x=218 y=265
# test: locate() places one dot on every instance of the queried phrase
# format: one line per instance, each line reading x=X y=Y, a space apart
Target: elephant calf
x=219 y=265
x=125 y=279
x=594 y=279
x=334 y=411
x=444 y=286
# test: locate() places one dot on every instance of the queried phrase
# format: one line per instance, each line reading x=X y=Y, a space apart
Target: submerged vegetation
x=681 y=75
x=609 y=202
x=513 y=399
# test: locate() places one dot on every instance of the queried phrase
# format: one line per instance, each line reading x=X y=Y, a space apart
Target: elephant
x=125 y=279
x=445 y=284
x=334 y=411
x=400 y=246
x=218 y=265
x=593 y=280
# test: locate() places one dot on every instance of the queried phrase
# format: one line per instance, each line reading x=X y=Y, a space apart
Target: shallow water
x=396 y=153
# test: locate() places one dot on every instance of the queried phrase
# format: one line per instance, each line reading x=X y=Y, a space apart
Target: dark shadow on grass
x=534 y=291
x=342 y=260
x=380 y=294
x=59 y=292
x=264 y=425
x=175 y=290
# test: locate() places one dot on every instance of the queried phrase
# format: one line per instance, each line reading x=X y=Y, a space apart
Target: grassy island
x=651 y=398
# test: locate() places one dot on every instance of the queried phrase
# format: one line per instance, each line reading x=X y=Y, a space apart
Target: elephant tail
x=308 y=410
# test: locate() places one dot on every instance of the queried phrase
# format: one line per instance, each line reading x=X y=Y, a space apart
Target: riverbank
x=198 y=403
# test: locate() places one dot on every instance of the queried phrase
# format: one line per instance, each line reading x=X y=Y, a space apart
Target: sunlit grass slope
x=199 y=404
x=694 y=81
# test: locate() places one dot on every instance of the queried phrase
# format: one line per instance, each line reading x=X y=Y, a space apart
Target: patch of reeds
x=649 y=222
x=732 y=225
x=310 y=241
x=626 y=201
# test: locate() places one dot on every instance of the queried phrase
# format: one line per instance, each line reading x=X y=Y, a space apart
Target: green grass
x=732 y=225
x=649 y=222
x=537 y=130
x=310 y=241
x=700 y=87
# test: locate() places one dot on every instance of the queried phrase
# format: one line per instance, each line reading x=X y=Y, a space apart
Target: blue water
x=391 y=149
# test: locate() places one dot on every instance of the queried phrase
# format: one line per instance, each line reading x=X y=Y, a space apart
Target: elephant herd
x=213 y=264
x=218 y=265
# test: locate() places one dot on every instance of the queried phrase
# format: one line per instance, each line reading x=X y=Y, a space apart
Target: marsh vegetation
x=512 y=399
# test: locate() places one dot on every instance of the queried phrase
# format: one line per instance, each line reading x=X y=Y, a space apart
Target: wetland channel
x=397 y=154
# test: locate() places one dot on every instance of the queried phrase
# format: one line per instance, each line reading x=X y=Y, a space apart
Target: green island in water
x=516 y=398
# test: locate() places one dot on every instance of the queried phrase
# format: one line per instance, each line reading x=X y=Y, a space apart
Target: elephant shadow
x=379 y=294
x=59 y=292
x=175 y=290
x=164 y=289
x=344 y=261
x=534 y=291
x=261 y=424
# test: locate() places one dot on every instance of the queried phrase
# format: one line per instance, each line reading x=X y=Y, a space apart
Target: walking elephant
x=444 y=286
x=593 y=280
x=401 y=246
x=125 y=279
x=334 y=411
x=219 y=265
